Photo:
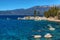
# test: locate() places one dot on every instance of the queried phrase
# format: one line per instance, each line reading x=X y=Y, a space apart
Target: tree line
x=52 y=12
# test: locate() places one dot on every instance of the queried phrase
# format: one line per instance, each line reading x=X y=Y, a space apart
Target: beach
x=41 y=18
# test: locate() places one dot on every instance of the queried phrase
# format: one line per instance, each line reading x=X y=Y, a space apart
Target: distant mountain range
x=29 y=11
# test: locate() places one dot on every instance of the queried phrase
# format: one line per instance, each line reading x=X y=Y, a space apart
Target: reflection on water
x=26 y=29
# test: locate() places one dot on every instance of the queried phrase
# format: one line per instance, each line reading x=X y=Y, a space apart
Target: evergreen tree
x=52 y=12
x=35 y=12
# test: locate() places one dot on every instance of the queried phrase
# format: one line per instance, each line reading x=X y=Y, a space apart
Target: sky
x=19 y=4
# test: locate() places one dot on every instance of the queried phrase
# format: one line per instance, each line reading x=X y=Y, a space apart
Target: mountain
x=29 y=11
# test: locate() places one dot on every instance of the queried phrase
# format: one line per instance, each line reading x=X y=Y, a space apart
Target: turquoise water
x=24 y=29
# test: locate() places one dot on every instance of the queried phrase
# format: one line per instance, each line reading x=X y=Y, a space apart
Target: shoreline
x=37 y=18
x=54 y=20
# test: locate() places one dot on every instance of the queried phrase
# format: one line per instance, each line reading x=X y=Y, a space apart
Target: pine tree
x=35 y=12
x=52 y=12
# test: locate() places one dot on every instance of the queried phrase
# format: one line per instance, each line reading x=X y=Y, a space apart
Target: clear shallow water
x=24 y=29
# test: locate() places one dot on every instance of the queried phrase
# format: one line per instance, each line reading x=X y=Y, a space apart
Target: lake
x=24 y=29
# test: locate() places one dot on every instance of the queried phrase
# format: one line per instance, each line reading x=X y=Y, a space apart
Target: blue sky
x=16 y=4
